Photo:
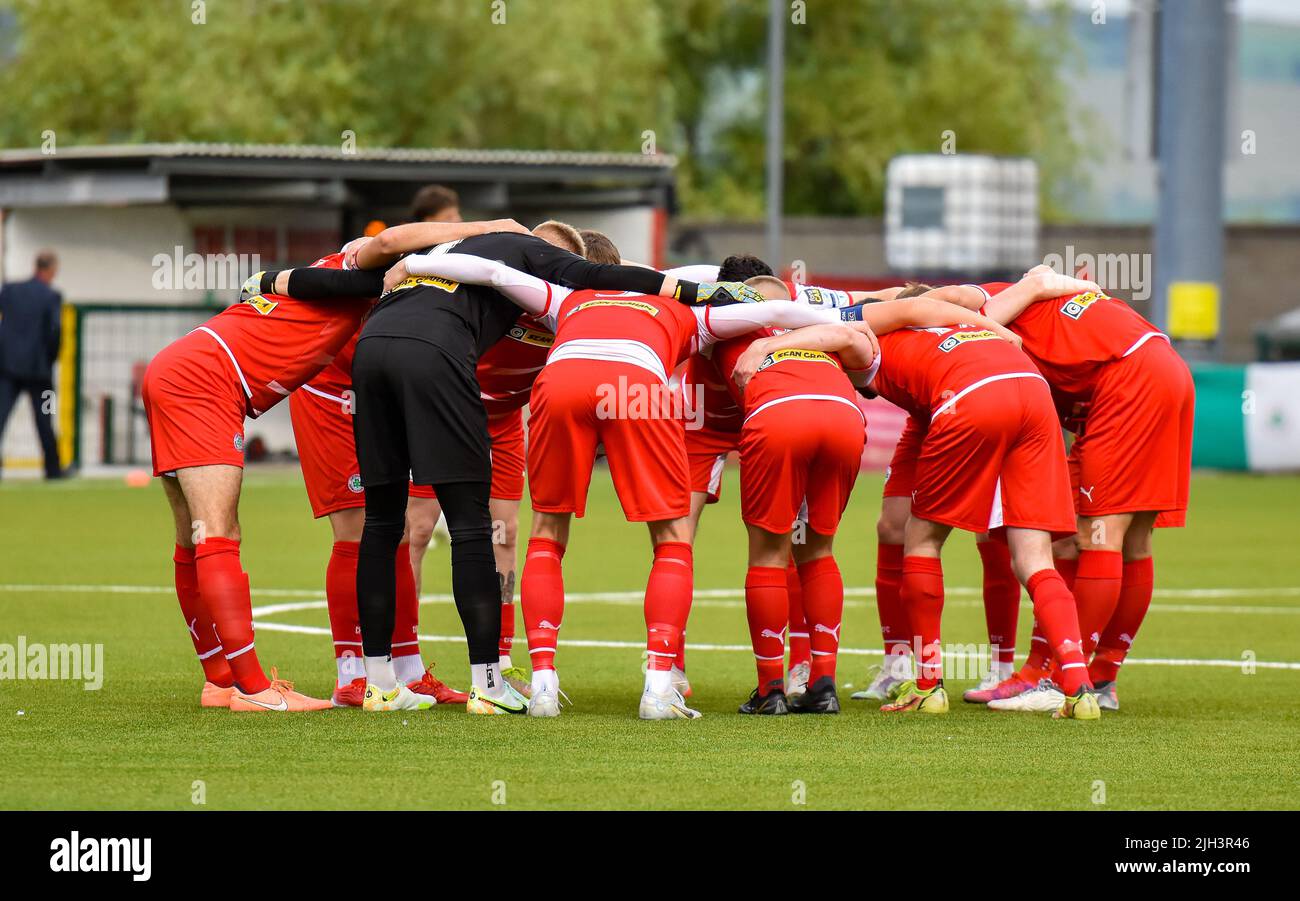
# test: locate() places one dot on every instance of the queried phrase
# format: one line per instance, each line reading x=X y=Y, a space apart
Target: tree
x=865 y=80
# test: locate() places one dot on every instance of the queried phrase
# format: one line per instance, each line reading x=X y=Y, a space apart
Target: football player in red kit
x=197 y=392
x=601 y=385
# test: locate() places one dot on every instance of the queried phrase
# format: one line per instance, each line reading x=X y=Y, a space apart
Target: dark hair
x=913 y=289
x=431 y=200
x=741 y=266
x=46 y=260
x=600 y=249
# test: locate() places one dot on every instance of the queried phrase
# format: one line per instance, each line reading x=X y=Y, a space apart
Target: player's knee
x=889 y=531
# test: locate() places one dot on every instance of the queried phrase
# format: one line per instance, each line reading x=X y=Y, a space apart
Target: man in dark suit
x=30 y=333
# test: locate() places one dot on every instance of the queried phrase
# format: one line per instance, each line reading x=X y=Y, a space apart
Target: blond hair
x=913 y=289
x=561 y=234
x=770 y=287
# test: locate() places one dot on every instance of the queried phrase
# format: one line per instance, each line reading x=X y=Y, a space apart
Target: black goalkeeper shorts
x=417 y=413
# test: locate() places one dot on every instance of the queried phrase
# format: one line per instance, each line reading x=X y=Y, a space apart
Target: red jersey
x=507 y=370
x=704 y=380
x=785 y=375
x=277 y=343
x=1071 y=337
x=925 y=370
x=655 y=333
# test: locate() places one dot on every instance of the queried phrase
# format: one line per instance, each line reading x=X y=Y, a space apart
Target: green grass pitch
x=89 y=561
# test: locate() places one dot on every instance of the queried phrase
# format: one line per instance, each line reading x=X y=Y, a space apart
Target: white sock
x=504 y=662
x=379 y=673
x=409 y=668
x=660 y=681
x=545 y=680
x=349 y=667
x=487 y=679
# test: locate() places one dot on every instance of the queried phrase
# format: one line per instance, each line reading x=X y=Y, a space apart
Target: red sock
x=668 y=602
x=223 y=585
x=541 y=592
x=680 y=660
x=895 y=627
x=922 y=596
x=1040 y=652
x=406 y=627
x=341 y=599
x=1001 y=598
x=1054 y=609
x=797 y=636
x=767 y=608
x=1117 y=637
x=206 y=644
x=824 y=607
x=507 y=639
x=1096 y=588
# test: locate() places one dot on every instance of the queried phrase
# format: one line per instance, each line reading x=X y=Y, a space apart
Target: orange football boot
x=280 y=697
x=215 y=696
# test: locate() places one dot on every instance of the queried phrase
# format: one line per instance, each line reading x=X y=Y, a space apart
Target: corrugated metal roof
x=326 y=152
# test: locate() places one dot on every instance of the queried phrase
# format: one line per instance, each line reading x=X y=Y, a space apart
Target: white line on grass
x=710 y=597
x=860 y=652
x=725 y=598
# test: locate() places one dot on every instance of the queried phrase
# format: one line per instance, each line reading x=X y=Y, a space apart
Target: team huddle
x=408 y=358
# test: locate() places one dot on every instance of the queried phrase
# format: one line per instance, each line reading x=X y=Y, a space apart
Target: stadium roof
x=194 y=173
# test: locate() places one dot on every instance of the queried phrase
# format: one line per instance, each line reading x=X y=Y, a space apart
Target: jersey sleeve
x=540 y=298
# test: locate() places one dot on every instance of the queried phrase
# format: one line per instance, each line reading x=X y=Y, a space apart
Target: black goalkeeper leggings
x=474 y=580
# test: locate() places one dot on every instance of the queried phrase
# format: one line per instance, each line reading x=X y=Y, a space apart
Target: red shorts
x=574 y=411
x=900 y=476
x=997 y=459
x=706 y=455
x=327 y=452
x=800 y=449
x=1135 y=453
x=195 y=406
x=507 y=434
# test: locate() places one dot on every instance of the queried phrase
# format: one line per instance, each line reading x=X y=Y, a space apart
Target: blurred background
x=164 y=149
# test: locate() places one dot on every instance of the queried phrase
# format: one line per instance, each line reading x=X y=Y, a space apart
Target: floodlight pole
x=775 y=128
x=1191 y=118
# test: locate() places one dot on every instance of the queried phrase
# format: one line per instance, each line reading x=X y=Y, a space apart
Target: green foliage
x=865 y=80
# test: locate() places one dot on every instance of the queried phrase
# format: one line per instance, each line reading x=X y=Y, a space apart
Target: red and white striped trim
x=790 y=397
x=233 y=362
x=986 y=381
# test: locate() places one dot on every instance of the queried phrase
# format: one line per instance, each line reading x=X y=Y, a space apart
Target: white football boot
x=546 y=698
x=890 y=676
x=668 y=705
x=1045 y=697
x=1107 y=695
x=797 y=682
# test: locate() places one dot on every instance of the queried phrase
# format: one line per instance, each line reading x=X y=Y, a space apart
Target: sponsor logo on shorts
x=239 y=443
x=1078 y=305
x=638 y=305
x=427 y=281
x=805 y=356
x=354 y=483
x=957 y=339
x=531 y=336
